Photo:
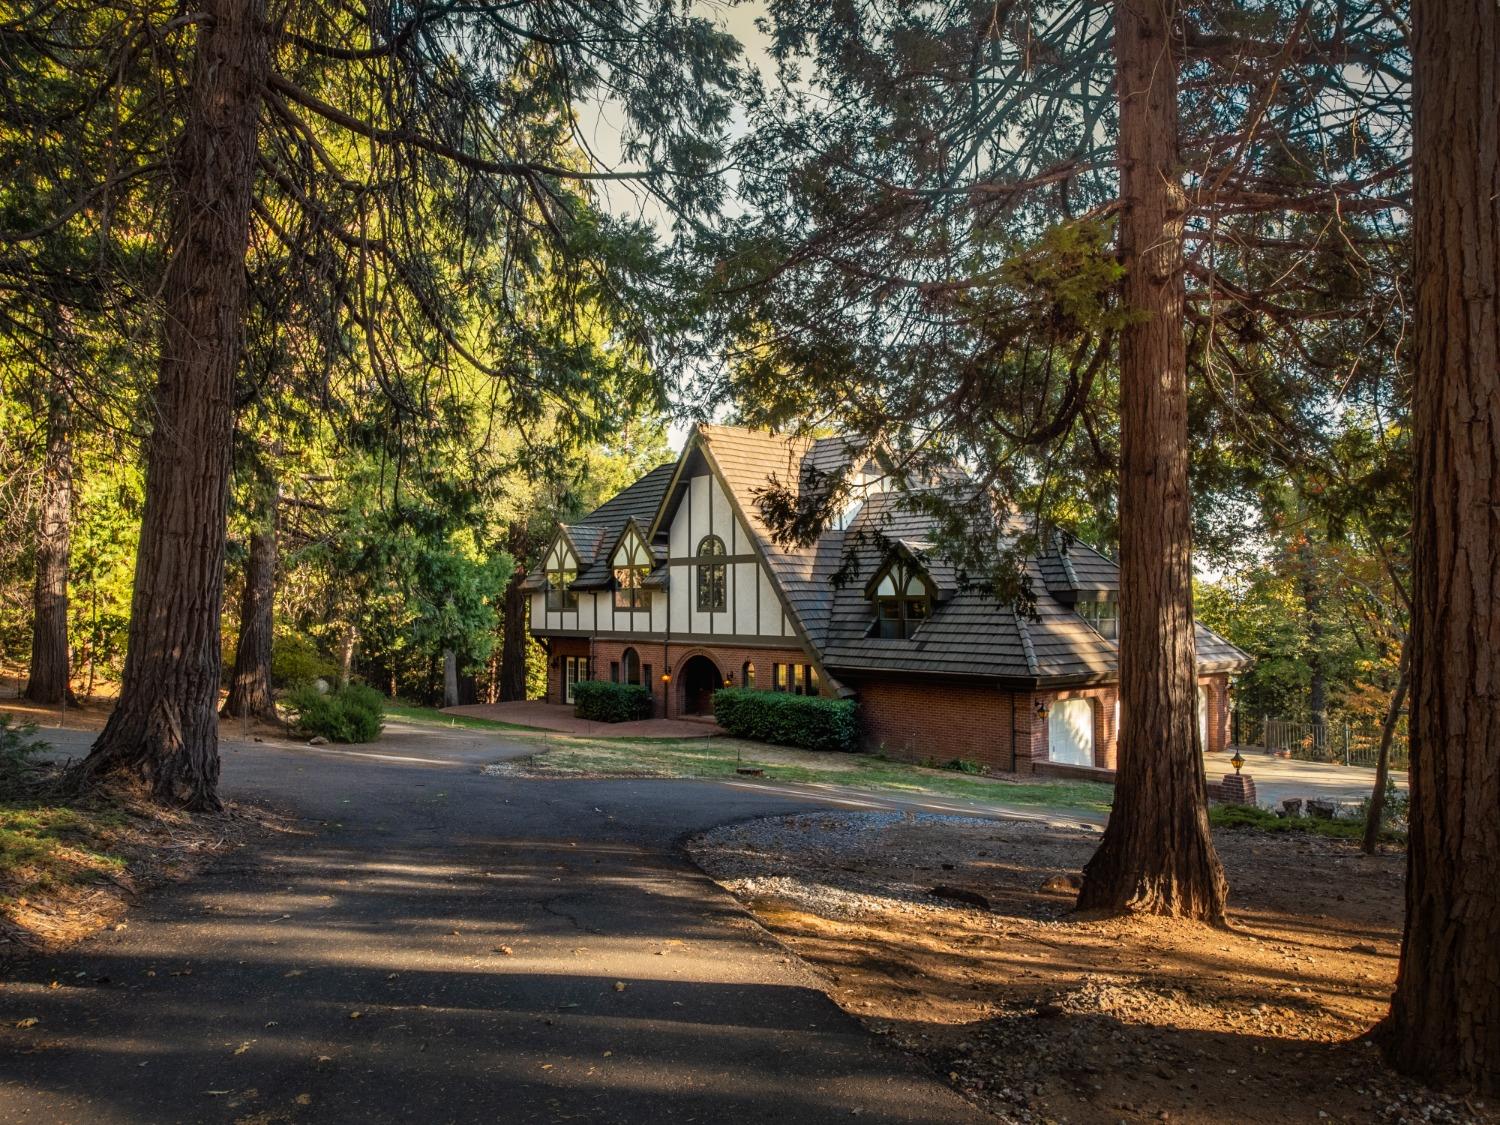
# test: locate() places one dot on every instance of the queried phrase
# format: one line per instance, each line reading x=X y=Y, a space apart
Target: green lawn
x=438 y=718
x=45 y=846
x=720 y=757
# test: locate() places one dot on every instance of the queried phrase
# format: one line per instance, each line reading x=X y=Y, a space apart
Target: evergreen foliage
x=353 y=713
x=606 y=702
x=806 y=721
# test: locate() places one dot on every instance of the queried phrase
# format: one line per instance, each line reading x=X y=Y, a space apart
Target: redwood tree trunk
x=514 y=637
x=1157 y=855
x=47 y=681
x=162 y=738
x=250 y=694
x=1444 y=1024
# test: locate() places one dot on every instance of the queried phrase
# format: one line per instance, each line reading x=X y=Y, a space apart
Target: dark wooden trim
x=706 y=640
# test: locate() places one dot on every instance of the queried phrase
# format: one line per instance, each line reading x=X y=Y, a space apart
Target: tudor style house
x=677 y=584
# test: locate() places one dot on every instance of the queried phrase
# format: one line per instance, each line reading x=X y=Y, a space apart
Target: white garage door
x=1202 y=717
x=1070 y=732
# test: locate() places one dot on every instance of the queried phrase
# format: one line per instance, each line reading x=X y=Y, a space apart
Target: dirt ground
x=1039 y=1017
x=71 y=866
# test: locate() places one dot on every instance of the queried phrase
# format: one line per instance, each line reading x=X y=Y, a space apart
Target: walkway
x=1279 y=778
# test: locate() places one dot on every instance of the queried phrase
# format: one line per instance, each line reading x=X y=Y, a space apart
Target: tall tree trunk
x=48 y=678
x=250 y=694
x=1444 y=1024
x=1157 y=855
x=162 y=738
x=514 y=638
x=1376 y=812
x=346 y=655
x=450 y=678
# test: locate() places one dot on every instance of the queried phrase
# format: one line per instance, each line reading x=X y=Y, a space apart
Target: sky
x=599 y=129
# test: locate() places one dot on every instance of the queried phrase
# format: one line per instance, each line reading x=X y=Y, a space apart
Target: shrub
x=806 y=721
x=964 y=765
x=1265 y=820
x=606 y=702
x=296 y=660
x=18 y=743
x=349 y=714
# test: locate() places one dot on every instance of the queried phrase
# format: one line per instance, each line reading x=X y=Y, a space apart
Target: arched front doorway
x=700 y=679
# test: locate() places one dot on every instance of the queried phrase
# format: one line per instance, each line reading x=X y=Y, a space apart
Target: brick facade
x=912 y=718
x=918 y=720
x=557 y=648
x=1002 y=730
x=663 y=656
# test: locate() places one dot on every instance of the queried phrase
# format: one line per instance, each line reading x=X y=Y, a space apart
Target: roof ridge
x=1024 y=629
x=1067 y=563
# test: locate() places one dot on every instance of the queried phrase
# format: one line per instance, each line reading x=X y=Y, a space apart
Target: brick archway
x=696 y=676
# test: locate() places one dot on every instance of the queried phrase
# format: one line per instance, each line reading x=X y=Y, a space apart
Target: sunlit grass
x=434 y=717
x=720 y=758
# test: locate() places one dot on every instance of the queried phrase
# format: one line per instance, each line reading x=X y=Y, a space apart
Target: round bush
x=355 y=713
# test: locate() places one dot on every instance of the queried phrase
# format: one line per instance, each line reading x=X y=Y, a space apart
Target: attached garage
x=1070 y=732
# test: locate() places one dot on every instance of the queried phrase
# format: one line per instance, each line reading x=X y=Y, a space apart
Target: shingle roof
x=596 y=532
x=748 y=460
x=970 y=634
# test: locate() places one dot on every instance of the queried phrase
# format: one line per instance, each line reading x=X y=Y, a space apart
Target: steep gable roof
x=593 y=535
x=746 y=460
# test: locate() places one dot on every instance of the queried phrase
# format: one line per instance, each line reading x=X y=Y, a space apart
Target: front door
x=700 y=679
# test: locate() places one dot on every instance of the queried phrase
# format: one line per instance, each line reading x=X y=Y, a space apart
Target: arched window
x=903 y=600
x=747 y=674
x=631 y=662
x=559 y=570
x=632 y=562
x=712 y=575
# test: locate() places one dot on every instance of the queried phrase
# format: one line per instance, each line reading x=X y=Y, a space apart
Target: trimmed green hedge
x=355 y=713
x=807 y=721
x=607 y=702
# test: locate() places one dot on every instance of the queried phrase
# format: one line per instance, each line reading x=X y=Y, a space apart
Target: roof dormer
x=901 y=594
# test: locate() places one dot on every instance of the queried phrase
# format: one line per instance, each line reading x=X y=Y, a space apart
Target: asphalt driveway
x=432 y=944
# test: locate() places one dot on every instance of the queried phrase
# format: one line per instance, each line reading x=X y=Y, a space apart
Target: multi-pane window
x=712 y=575
x=747 y=674
x=1103 y=615
x=903 y=601
x=631 y=661
x=632 y=563
x=798 y=679
x=559 y=569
